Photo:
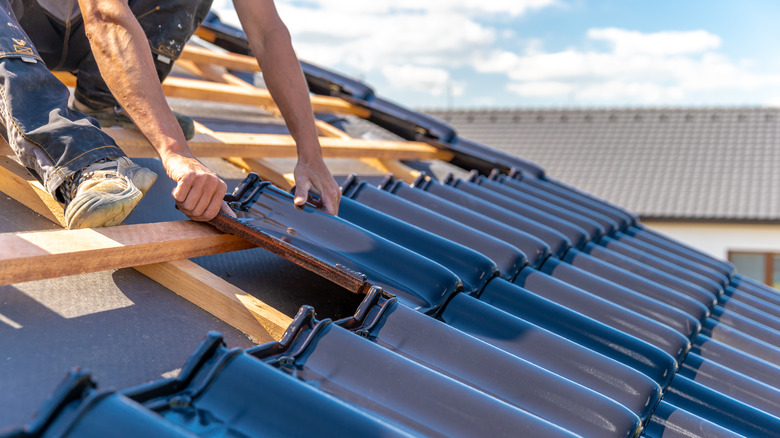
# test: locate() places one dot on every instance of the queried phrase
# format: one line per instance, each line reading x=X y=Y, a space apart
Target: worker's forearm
x=270 y=42
x=287 y=86
x=125 y=61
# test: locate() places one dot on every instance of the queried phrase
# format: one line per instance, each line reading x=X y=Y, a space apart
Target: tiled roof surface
x=614 y=332
x=692 y=163
x=510 y=305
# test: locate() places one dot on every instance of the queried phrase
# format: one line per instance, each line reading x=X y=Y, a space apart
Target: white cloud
x=364 y=42
x=359 y=36
x=415 y=45
x=382 y=7
x=434 y=81
x=541 y=88
x=658 y=67
x=626 y=42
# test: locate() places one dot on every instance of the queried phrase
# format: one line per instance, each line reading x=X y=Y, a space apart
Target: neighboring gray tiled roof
x=696 y=163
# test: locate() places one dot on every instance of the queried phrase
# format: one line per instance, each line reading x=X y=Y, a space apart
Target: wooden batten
x=228 y=144
x=20 y=185
x=215 y=92
x=267 y=170
x=231 y=61
x=48 y=254
x=397 y=168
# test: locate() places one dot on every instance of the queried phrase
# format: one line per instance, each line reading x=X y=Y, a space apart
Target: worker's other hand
x=199 y=192
x=313 y=176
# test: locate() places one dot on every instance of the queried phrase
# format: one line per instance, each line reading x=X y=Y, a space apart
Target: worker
x=120 y=51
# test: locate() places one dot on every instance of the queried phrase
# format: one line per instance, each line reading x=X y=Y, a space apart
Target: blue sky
x=545 y=53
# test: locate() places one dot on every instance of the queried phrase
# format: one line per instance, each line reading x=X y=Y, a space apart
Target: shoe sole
x=97 y=208
x=101 y=209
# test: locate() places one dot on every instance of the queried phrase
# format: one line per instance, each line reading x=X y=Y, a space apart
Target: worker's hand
x=313 y=176
x=199 y=192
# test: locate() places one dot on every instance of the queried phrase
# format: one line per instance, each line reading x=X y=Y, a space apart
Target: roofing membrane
x=504 y=304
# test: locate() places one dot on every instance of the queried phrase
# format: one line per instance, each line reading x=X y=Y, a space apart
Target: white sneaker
x=105 y=193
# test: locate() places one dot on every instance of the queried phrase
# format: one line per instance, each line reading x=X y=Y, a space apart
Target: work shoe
x=116 y=116
x=105 y=193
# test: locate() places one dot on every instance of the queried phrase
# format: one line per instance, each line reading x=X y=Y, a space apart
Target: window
x=763 y=267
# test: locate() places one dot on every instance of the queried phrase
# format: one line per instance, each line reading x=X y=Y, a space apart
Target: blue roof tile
x=510 y=305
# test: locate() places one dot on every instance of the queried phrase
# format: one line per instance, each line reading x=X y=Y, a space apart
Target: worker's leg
x=168 y=25
x=52 y=141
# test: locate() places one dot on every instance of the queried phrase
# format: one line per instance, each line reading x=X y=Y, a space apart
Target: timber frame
x=161 y=250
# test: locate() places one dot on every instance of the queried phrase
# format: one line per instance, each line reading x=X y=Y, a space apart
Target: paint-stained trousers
x=51 y=140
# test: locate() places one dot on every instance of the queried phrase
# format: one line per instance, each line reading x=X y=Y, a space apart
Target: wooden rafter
x=227 y=302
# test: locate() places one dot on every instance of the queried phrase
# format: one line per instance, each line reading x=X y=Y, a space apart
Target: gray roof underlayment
x=661 y=163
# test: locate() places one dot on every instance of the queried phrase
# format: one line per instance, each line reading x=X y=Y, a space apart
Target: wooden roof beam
x=214 y=92
x=232 y=61
x=226 y=144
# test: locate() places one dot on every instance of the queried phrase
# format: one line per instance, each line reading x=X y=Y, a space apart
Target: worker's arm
x=270 y=42
x=125 y=60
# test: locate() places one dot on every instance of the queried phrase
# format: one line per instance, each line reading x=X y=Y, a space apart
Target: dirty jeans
x=51 y=140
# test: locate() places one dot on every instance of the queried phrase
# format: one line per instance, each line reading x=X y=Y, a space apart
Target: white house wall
x=718 y=239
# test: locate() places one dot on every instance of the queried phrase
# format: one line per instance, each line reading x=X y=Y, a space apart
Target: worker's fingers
x=193 y=200
x=182 y=189
x=214 y=207
x=204 y=196
x=302 y=193
x=227 y=210
x=209 y=202
x=331 y=201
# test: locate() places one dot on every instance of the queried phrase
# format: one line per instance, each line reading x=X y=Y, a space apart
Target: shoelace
x=71 y=185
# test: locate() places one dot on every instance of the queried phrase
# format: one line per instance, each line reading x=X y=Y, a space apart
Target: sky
x=544 y=53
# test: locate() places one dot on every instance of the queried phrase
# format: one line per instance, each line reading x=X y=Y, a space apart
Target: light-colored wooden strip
x=206 y=34
x=20 y=185
x=205 y=71
x=398 y=169
x=227 y=144
x=267 y=170
x=66 y=78
x=227 y=302
x=48 y=254
x=232 y=61
x=328 y=130
x=213 y=92
x=213 y=73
